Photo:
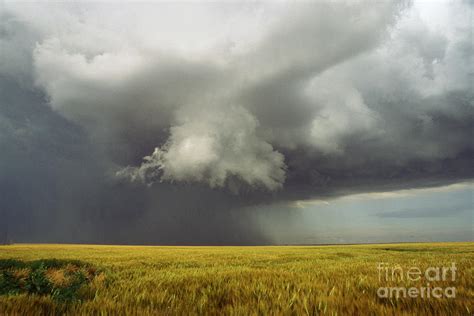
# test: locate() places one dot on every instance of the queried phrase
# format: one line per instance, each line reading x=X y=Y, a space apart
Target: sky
x=414 y=215
x=236 y=122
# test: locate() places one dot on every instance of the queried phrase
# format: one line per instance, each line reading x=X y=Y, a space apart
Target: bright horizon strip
x=386 y=194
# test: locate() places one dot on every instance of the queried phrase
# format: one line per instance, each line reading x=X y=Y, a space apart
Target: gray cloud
x=249 y=105
x=204 y=103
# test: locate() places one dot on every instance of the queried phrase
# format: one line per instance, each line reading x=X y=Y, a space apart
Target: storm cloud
x=163 y=123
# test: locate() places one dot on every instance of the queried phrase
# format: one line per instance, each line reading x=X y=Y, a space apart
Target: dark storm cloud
x=132 y=126
x=57 y=186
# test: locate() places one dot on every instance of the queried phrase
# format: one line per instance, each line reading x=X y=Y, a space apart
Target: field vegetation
x=280 y=280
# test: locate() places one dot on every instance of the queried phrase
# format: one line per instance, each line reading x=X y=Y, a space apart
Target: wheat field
x=267 y=280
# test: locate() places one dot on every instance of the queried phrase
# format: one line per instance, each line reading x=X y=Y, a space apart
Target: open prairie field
x=274 y=280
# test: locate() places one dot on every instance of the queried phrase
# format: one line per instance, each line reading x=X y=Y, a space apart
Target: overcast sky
x=236 y=122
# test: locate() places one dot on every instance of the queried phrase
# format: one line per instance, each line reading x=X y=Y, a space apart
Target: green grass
x=62 y=280
x=287 y=280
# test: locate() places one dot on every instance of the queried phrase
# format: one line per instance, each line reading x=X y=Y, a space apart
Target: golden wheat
x=286 y=280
